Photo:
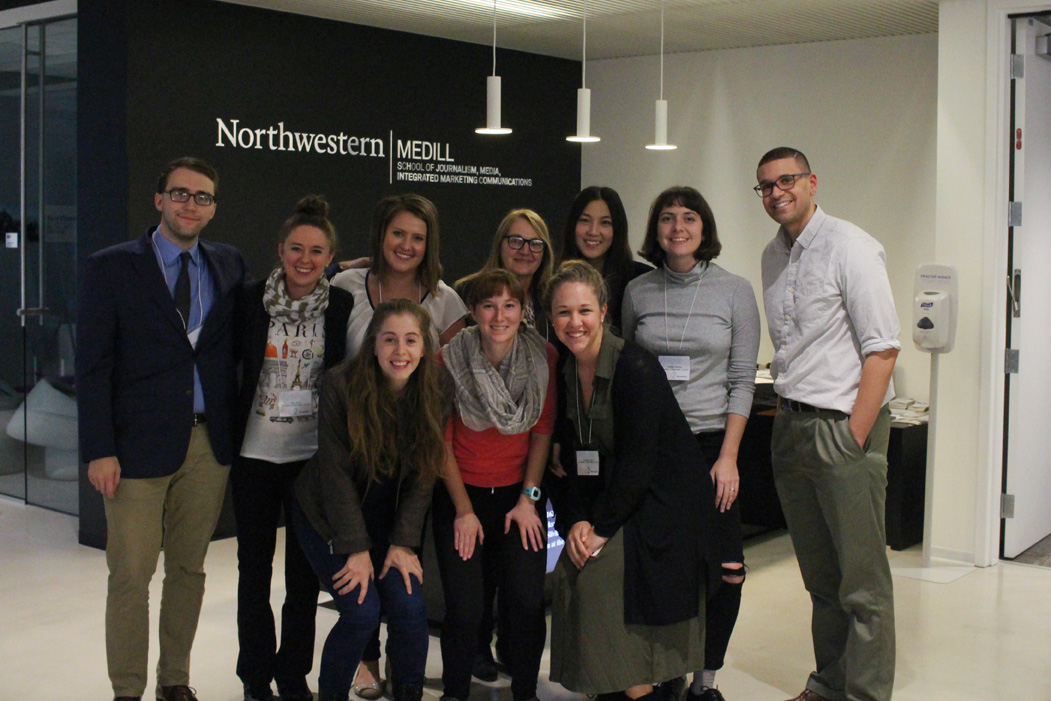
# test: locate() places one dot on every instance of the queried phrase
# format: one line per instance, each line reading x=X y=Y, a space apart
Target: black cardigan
x=253 y=327
x=656 y=487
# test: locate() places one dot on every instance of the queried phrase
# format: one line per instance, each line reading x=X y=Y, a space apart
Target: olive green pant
x=179 y=512
x=833 y=493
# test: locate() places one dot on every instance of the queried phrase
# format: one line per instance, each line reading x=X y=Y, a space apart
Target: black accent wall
x=167 y=78
x=189 y=63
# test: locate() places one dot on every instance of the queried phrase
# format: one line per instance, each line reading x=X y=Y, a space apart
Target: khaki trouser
x=179 y=512
x=833 y=493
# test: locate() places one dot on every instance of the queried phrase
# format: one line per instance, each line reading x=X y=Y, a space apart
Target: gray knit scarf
x=509 y=399
x=285 y=310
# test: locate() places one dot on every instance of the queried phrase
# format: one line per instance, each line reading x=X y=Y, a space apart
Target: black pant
x=724 y=600
x=520 y=576
x=260 y=491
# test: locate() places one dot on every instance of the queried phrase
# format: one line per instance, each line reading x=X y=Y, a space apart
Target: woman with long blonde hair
x=521 y=246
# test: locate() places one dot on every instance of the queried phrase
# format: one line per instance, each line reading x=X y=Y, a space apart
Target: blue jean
x=406 y=616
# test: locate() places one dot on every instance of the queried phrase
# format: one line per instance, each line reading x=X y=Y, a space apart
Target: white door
x=1028 y=466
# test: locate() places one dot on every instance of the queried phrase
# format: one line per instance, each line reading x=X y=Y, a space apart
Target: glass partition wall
x=38 y=263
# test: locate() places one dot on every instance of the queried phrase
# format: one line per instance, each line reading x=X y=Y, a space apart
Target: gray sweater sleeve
x=744 y=348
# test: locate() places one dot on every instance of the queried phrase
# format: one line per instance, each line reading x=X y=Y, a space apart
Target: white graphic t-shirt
x=282 y=425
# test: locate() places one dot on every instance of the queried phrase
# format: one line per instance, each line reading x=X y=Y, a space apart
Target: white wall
x=960 y=234
x=863 y=111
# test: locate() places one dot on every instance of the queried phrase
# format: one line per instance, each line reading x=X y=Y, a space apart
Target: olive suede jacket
x=332 y=488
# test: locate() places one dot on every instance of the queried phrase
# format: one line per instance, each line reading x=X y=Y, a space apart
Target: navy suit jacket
x=135 y=365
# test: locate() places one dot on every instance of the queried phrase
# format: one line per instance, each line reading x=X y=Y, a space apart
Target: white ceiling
x=618 y=28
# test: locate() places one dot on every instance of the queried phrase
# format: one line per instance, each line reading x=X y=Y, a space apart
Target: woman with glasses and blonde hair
x=522 y=246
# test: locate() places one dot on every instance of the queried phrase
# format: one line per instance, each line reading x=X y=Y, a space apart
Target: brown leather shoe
x=809 y=695
x=181 y=692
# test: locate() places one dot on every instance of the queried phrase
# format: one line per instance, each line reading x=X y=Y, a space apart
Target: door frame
x=993 y=334
x=1022 y=28
x=19 y=20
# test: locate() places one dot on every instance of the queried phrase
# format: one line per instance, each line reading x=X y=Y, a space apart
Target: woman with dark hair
x=703 y=324
x=293 y=328
x=404 y=265
x=361 y=502
x=597 y=232
x=628 y=605
x=522 y=246
x=488 y=519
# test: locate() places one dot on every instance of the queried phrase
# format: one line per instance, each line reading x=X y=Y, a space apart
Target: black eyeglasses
x=515 y=243
x=784 y=184
x=204 y=199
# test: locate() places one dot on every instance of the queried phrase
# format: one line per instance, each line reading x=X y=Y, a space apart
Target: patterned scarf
x=509 y=399
x=286 y=310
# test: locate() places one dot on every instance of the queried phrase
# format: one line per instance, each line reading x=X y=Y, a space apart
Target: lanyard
x=580 y=410
x=696 y=289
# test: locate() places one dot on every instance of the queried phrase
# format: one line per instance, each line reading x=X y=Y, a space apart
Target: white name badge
x=676 y=367
x=587 y=463
x=299 y=402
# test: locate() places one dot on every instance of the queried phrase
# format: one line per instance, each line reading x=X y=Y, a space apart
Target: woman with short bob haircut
x=361 y=502
x=628 y=607
x=707 y=319
x=690 y=198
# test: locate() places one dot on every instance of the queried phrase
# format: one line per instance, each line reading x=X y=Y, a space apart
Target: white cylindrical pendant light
x=660 y=137
x=492 y=108
x=492 y=95
x=660 y=141
x=583 y=134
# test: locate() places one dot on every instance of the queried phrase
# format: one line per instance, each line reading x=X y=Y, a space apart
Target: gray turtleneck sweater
x=720 y=335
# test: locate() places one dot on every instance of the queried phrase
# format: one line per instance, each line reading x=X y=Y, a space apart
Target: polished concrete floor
x=983 y=635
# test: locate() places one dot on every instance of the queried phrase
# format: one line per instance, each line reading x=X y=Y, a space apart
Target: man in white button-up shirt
x=835 y=334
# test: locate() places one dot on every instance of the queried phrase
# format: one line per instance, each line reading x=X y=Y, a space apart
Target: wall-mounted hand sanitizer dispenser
x=934 y=308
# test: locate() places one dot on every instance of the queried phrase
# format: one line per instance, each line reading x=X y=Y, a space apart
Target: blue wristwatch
x=532 y=492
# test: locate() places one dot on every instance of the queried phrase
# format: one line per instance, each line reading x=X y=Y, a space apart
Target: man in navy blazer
x=156 y=385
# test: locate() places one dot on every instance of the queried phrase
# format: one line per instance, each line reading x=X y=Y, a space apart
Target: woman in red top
x=489 y=518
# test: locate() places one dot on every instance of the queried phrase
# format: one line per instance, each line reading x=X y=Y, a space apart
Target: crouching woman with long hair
x=362 y=500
